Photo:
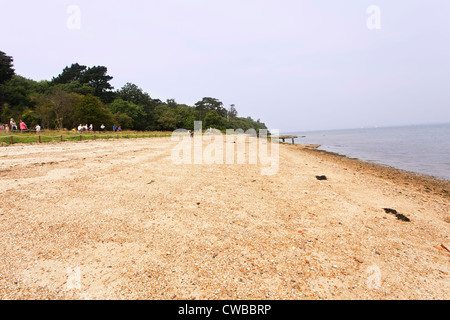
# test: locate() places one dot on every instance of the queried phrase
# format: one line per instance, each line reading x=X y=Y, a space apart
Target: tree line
x=84 y=95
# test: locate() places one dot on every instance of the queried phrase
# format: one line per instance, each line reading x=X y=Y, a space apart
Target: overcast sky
x=297 y=65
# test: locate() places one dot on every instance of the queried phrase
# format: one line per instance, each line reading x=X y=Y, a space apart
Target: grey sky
x=296 y=65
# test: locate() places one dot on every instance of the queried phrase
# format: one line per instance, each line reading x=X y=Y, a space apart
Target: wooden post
x=95 y=137
x=61 y=138
x=11 y=139
x=39 y=139
x=80 y=137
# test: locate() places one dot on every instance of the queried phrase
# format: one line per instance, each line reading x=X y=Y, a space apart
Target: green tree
x=123 y=120
x=31 y=118
x=214 y=120
x=232 y=113
x=63 y=104
x=6 y=67
x=75 y=86
x=78 y=77
x=97 y=78
x=186 y=116
x=17 y=94
x=210 y=104
x=134 y=111
x=43 y=110
x=167 y=121
x=69 y=74
x=132 y=93
x=91 y=110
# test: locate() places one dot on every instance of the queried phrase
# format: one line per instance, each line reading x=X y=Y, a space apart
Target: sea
x=423 y=149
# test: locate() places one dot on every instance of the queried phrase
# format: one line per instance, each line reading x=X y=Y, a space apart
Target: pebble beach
x=119 y=220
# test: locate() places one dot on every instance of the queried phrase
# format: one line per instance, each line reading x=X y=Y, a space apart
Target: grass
x=49 y=136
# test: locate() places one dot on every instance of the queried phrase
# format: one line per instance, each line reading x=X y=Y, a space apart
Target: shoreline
x=131 y=224
x=439 y=186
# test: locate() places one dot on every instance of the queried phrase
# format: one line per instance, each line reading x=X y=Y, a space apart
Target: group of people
x=82 y=128
x=90 y=128
x=13 y=126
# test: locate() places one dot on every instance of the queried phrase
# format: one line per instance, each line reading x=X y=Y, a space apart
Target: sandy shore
x=119 y=220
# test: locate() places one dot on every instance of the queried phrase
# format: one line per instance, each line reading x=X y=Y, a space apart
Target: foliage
x=214 y=120
x=91 y=110
x=134 y=112
x=6 y=67
x=210 y=104
x=84 y=95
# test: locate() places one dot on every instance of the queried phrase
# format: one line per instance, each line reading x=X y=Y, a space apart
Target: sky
x=297 y=65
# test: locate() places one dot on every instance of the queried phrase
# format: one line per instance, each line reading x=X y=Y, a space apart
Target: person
x=2 y=127
x=80 y=128
x=6 y=128
x=119 y=128
x=91 y=127
x=12 y=124
x=22 y=125
x=102 y=127
x=114 y=127
x=38 y=128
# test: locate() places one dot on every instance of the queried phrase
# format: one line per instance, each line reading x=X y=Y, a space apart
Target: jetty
x=283 y=138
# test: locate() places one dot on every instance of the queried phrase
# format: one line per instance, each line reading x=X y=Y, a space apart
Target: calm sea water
x=420 y=149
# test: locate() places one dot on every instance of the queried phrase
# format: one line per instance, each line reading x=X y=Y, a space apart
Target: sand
x=119 y=220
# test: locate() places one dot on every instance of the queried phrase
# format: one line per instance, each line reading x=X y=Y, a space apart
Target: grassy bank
x=62 y=136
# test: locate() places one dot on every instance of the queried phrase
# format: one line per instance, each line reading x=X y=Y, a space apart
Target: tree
x=186 y=117
x=123 y=120
x=6 y=74
x=98 y=79
x=91 y=110
x=75 y=86
x=132 y=93
x=69 y=74
x=136 y=113
x=6 y=67
x=210 y=104
x=233 y=112
x=43 y=109
x=17 y=93
x=63 y=104
x=95 y=77
x=215 y=120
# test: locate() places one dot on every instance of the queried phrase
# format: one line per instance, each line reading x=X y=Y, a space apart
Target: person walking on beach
x=23 y=126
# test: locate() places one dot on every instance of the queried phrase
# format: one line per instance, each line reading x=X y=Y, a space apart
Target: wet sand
x=119 y=220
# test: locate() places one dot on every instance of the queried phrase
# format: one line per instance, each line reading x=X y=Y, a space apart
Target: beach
x=119 y=219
